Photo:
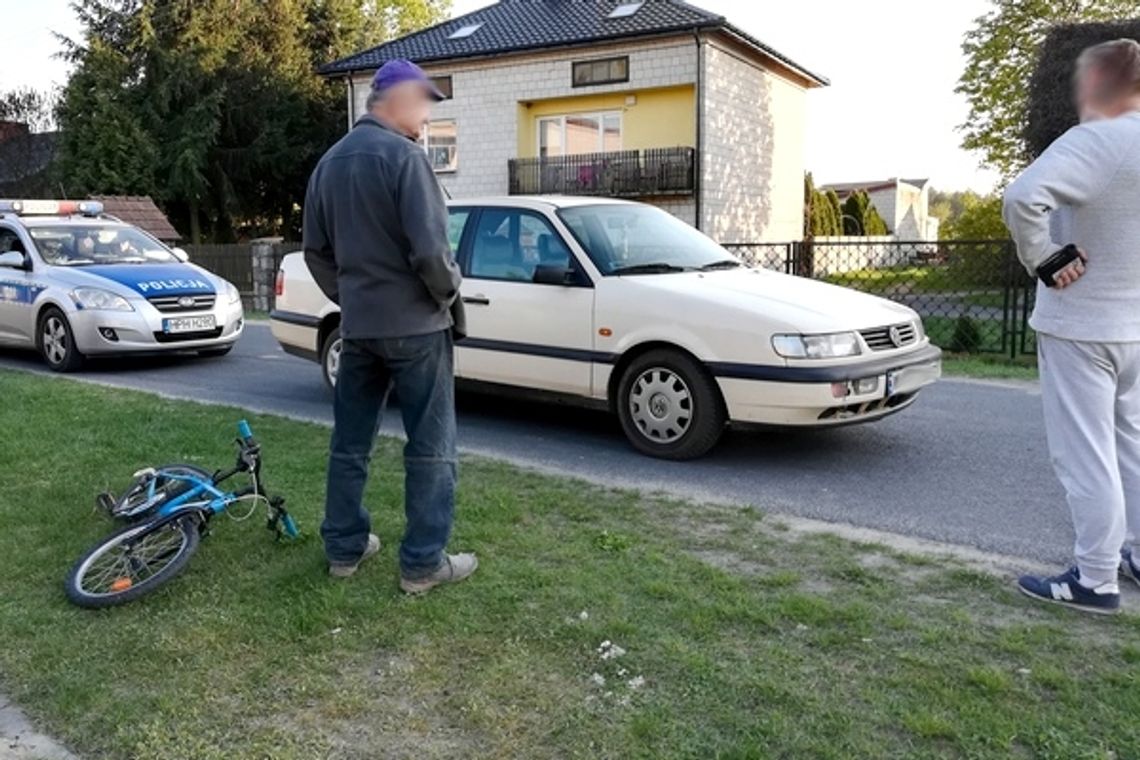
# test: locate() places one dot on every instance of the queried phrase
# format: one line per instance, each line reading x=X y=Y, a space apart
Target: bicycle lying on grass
x=167 y=510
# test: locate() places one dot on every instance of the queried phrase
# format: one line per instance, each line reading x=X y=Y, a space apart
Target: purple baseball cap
x=399 y=71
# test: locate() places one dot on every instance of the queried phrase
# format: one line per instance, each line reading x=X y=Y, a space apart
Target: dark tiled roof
x=140 y=211
x=24 y=156
x=517 y=25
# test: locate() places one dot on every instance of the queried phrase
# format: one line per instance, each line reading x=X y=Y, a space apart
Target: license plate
x=188 y=324
x=910 y=379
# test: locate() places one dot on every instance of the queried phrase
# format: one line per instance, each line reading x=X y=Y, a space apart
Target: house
x=904 y=205
x=140 y=211
x=658 y=101
x=25 y=160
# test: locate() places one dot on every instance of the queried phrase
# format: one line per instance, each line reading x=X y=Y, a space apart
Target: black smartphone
x=1048 y=268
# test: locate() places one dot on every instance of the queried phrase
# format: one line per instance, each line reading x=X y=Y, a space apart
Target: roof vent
x=465 y=31
x=626 y=9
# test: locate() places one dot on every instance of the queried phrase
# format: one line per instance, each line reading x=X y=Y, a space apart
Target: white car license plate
x=910 y=379
x=188 y=324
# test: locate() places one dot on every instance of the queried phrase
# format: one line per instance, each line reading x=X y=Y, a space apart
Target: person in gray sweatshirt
x=1085 y=191
x=375 y=240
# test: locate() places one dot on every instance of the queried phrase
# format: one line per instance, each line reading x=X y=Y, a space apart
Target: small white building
x=904 y=205
x=657 y=100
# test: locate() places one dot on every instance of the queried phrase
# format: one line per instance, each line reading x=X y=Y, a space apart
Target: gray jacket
x=375 y=235
x=1085 y=189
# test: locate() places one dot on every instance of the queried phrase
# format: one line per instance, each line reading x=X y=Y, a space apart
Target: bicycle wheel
x=132 y=562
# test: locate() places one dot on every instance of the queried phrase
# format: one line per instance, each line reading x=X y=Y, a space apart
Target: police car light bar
x=51 y=208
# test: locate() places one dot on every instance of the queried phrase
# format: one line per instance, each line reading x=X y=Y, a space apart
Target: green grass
x=753 y=640
x=990 y=367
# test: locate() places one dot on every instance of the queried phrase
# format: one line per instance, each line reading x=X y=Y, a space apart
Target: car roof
x=538 y=201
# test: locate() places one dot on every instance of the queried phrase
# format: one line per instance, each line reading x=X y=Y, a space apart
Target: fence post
x=264 y=272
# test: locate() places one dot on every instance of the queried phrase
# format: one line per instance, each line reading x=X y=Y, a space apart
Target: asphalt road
x=966 y=464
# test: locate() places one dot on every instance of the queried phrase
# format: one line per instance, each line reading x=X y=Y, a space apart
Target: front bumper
x=807 y=396
x=141 y=331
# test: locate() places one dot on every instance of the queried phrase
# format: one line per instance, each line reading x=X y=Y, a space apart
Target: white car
x=76 y=283
x=621 y=306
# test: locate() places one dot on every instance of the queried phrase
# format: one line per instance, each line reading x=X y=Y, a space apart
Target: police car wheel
x=56 y=342
x=330 y=357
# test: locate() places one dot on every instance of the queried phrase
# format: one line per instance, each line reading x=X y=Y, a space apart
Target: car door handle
x=477 y=300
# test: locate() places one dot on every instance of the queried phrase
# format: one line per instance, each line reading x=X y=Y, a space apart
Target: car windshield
x=77 y=245
x=637 y=239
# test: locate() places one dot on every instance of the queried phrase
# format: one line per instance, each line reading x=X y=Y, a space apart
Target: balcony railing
x=618 y=174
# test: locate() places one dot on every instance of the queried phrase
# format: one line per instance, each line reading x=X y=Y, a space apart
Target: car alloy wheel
x=661 y=405
x=57 y=342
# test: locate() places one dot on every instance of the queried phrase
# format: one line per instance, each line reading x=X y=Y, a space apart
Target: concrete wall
x=753 y=158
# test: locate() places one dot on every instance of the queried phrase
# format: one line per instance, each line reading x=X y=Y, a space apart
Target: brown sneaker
x=348 y=569
x=455 y=568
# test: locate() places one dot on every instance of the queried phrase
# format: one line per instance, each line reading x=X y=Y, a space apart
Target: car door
x=18 y=293
x=520 y=332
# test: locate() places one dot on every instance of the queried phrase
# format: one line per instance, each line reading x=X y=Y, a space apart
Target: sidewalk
x=19 y=741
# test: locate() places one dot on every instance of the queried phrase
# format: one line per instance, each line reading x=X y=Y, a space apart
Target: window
x=575 y=134
x=456 y=223
x=10 y=241
x=604 y=71
x=464 y=31
x=510 y=243
x=443 y=84
x=625 y=9
x=440 y=141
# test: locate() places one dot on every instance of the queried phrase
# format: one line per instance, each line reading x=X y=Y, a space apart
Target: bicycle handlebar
x=245 y=433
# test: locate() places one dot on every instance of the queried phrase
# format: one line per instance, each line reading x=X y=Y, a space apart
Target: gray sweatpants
x=1092 y=417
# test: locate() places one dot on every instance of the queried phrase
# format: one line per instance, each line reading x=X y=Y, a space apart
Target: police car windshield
x=636 y=239
x=71 y=245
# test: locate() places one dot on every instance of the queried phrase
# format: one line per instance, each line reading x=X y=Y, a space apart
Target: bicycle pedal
x=105 y=501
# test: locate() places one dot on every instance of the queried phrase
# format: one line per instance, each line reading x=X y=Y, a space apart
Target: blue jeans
x=420 y=369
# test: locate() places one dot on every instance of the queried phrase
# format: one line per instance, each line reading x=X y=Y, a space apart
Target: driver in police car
x=375 y=239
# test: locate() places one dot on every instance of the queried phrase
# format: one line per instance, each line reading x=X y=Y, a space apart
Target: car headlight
x=232 y=293
x=831 y=346
x=97 y=298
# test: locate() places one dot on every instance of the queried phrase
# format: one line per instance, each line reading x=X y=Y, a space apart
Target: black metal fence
x=235 y=262
x=619 y=174
x=973 y=296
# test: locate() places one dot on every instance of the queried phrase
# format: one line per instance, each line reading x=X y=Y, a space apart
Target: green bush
x=967 y=338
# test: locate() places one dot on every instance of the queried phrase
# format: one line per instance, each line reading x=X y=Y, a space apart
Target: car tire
x=330 y=357
x=670 y=406
x=215 y=353
x=56 y=342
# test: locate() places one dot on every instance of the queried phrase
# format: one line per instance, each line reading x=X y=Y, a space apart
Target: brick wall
x=752 y=163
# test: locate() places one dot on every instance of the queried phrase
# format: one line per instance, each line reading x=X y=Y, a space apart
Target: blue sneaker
x=1066 y=589
x=1128 y=568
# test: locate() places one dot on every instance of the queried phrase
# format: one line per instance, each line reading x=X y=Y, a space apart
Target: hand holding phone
x=1063 y=268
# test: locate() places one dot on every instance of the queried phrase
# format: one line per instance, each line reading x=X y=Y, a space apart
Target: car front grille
x=890 y=338
x=173 y=304
x=179 y=337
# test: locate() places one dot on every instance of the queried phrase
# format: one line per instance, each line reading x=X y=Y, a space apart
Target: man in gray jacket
x=375 y=239
x=1085 y=190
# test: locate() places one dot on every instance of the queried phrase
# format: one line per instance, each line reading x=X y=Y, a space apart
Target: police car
x=75 y=282
x=620 y=305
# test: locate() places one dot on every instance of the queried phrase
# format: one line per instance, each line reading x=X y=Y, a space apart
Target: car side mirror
x=13 y=260
x=553 y=274
x=180 y=254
